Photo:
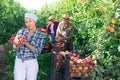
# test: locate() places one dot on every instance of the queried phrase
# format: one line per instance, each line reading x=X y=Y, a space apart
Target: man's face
x=66 y=20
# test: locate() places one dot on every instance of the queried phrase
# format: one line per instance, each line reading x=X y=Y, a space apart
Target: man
x=64 y=33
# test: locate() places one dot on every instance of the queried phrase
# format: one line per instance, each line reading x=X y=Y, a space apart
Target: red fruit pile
x=110 y=28
x=17 y=39
x=77 y=66
x=21 y=38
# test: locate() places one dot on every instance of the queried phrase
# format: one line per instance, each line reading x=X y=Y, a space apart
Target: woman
x=51 y=29
x=27 y=44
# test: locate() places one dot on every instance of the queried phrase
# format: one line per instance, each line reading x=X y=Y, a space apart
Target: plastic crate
x=62 y=64
x=56 y=73
x=78 y=71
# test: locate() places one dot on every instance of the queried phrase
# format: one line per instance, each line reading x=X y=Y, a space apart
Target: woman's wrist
x=26 y=43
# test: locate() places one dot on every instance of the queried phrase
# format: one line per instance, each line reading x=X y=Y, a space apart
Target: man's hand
x=58 y=38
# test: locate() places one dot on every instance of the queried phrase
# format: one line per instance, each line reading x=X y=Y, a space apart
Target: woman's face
x=30 y=23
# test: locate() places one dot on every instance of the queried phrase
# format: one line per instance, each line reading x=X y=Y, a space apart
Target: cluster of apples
x=81 y=69
x=74 y=58
x=60 y=60
x=110 y=28
x=18 y=39
x=77 y=66
x=57 y=46
x=85 y=0
x=77 y=59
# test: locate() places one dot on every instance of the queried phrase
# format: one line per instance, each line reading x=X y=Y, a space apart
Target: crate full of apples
x=60 y=59
x=80 y=66
x=77 y=66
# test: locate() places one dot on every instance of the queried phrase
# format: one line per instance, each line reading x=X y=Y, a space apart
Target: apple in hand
x=16 y=41
x=11 y=40
x=58 y=38
x=19 y=39
x=19 y=36
x=22 y=40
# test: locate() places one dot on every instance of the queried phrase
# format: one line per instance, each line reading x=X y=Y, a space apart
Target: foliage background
x=89 y=18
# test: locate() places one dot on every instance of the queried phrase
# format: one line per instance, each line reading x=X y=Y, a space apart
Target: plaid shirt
x=37 y=40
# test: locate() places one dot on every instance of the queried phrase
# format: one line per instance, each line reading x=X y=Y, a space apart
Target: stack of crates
x=66 y=67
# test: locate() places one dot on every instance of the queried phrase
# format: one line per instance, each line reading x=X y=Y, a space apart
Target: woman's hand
x=22 y=41
x=16 y=43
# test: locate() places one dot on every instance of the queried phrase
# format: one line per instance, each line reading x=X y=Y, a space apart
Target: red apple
x=16 y=41
x=110 y=28
x=58 y=38
x=88 y=59
x=85 y=0
x=11 y=40
x=22 y=40
x=19 y=36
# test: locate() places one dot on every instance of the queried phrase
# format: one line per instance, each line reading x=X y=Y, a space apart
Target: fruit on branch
x=114 y=20
x=110 y=28
x=85 y=0
x=94 y=57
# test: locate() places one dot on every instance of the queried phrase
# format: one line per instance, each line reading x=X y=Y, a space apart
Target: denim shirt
x=37 y=40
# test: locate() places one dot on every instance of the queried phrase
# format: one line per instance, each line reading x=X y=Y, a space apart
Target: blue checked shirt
x=37 y=40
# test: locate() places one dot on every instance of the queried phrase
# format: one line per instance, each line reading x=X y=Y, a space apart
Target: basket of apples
x=60 y=59
x=80 y=66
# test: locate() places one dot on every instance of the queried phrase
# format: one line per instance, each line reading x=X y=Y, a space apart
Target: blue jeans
x=52 y=35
